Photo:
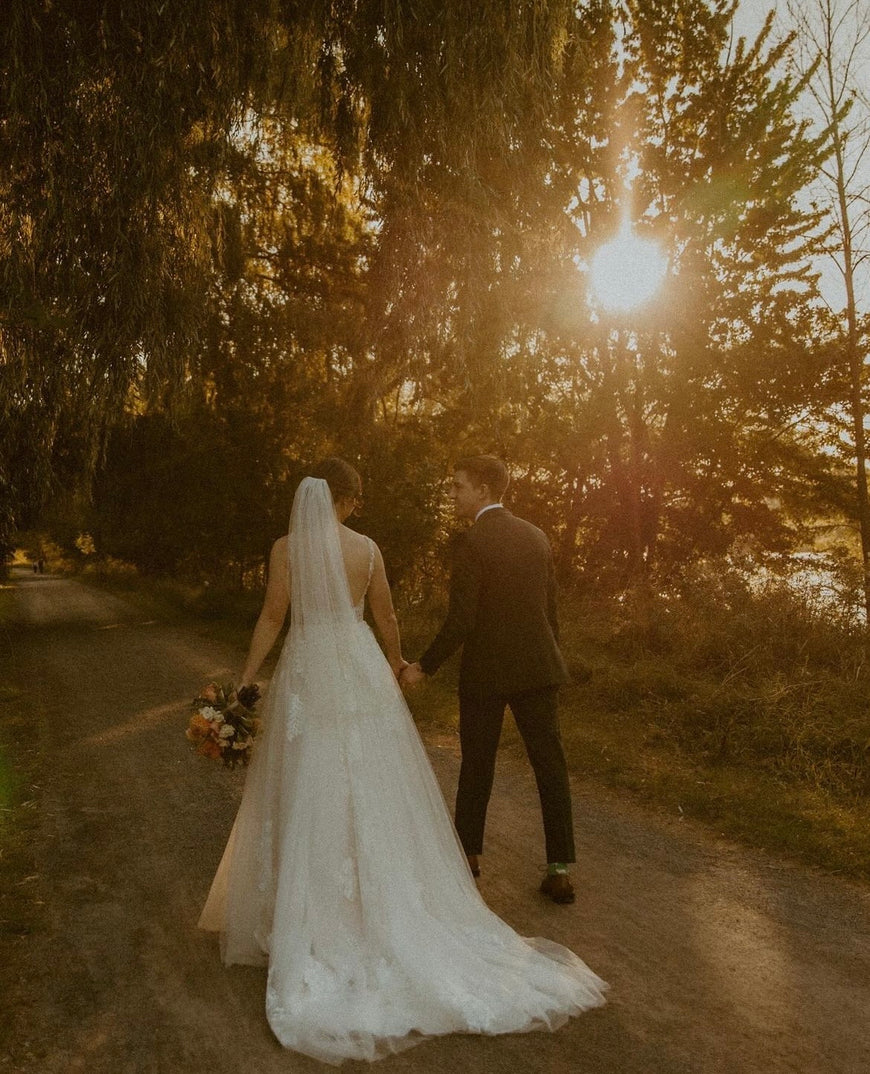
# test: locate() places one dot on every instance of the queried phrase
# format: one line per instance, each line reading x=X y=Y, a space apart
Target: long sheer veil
x=320 y=595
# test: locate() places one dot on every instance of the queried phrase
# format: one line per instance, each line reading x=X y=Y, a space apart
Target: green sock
x=556 y=867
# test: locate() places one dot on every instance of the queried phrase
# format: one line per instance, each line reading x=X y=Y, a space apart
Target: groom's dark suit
x=503 y=613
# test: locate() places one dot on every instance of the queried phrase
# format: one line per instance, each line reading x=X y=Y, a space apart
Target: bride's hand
x=398 y=666
x=412 y=675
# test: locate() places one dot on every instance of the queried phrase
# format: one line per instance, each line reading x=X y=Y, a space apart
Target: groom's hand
x=412 y=675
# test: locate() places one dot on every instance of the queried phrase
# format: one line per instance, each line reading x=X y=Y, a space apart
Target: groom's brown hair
x=486 y=470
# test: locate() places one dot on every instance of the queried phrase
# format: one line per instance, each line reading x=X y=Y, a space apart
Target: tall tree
x=724 y=360
x=120 y=119
x=698 y=391
x=833 y=51
x=674 y=429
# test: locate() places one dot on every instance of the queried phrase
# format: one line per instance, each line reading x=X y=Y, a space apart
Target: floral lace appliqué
x=264 y=857
x=347 y=879
x=294 y=711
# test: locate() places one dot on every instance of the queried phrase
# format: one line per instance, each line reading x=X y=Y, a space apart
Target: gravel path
x=719 y=959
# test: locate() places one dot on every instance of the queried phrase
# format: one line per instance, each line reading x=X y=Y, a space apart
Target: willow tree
x=120 y=122
x=113 y=119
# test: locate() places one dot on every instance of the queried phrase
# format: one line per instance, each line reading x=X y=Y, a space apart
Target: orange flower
x=209 y=748
x=199 y=727
x=209 y=692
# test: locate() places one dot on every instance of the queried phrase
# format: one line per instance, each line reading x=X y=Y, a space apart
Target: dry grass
x=746 y=710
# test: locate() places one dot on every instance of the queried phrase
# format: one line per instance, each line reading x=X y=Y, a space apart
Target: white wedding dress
x=343 y=872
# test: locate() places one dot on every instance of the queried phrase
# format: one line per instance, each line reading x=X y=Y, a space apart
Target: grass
x=746 y=711
x=169 y=597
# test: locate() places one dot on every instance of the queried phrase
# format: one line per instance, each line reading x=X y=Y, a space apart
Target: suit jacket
x=502 y=609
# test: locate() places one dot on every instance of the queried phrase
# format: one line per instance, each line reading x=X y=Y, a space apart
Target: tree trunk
x=854 y=358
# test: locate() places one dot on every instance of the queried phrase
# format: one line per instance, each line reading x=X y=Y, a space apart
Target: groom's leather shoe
x=558 y=887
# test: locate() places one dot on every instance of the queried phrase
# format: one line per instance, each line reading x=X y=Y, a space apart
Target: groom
x=503 y=613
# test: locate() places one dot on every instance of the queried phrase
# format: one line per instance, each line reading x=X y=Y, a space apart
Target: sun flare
x=626 y=272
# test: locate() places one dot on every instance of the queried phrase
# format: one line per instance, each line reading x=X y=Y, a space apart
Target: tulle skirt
x=343 y=873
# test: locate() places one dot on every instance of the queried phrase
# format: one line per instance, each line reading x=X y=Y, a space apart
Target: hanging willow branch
x=120 y=119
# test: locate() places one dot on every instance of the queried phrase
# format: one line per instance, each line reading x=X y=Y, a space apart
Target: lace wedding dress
x=343 y=872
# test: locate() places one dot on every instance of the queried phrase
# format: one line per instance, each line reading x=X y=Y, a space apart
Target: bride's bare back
x=356 y=553
x=363 y=577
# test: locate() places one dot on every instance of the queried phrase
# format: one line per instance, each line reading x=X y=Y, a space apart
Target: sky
x=752 y=13
x=748 y=21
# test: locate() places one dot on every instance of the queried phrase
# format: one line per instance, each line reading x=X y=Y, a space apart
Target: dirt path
x=718 y=959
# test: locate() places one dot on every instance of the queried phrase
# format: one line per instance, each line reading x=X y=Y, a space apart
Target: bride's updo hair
x=344 y=482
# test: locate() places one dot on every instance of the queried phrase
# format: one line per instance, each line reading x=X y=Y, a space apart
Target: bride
x=343 y=872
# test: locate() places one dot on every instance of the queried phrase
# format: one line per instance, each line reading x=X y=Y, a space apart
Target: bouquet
x=223 y=725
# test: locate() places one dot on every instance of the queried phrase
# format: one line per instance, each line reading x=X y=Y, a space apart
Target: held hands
x=411 y=675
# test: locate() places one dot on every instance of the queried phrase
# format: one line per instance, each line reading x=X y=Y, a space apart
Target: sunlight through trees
x=626 y=272
x=241 y=236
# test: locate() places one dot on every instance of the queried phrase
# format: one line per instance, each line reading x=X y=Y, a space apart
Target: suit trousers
x=480 y=724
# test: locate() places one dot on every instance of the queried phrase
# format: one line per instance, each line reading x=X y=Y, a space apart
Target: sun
x=626 y=272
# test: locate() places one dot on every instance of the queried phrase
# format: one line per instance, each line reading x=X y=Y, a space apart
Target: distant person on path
x=502 y=612
x=343 y=872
